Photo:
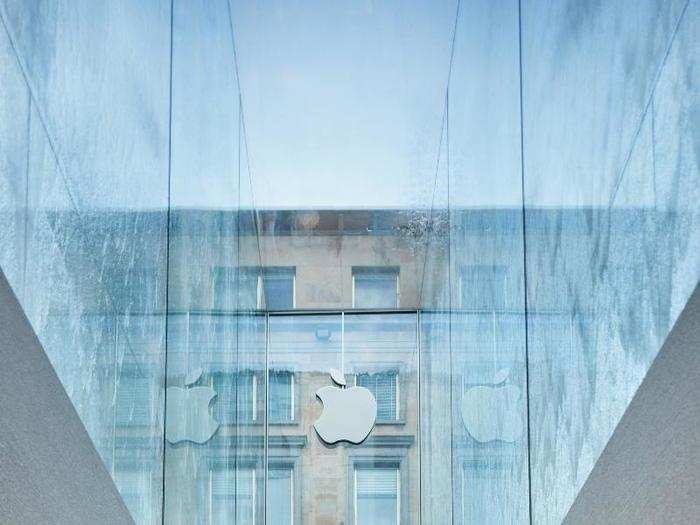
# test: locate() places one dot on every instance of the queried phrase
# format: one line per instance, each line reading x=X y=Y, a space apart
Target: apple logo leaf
x=193 y=376
x=338 y=378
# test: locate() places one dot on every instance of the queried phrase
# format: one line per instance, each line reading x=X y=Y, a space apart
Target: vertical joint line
x=267 y=393
x=167 y=261
x=525 y=283
x=449 y=290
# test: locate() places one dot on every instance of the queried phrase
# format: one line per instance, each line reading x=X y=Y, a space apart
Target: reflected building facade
x=450 y=385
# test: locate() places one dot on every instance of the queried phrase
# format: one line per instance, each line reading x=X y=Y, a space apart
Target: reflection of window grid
x=385 y=388
x=275 y=285
x=135 y=488
x=232 y=489
x=238 y=401
x=246 y=294
x=236 y=396
x=280 y=494
x=375 y=287
x=133 y=397
x=377 y=492
x=280 y=396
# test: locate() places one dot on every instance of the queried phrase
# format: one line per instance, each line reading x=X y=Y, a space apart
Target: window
x=280 y=494
x=229 y=296
x=249 y=290
x=278 y=283
x=238 y=400
x=236 y=396
x=376 y=495
x=233 y=495
x=133 y=397
x=385 y=387
x=375 y=287
x=483 y=287
x=279 y=288
x=280 y=396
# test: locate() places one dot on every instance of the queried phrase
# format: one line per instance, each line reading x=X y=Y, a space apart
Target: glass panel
x=215 y=396
x=489 y=447
x=383 y=347
x=83 y=199
x=613 y=243
x=540 y=172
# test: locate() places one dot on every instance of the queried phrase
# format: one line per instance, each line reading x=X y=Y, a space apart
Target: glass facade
x=486 y=214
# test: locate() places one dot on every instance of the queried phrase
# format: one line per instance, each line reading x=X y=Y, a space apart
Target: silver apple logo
x=348 y=413
x=492 y=412
x=188 y=417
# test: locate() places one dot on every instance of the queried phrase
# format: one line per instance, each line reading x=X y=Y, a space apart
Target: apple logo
x=187 y=417
x=493 y=412
x=348 y=413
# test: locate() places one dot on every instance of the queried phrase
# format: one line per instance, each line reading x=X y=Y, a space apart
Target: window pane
x=228 y=296
x=377 y=496
x=383 y=385
x=234 y=396
x=279 y=288
x=280 y=396
x=375 y=288
x=132 y=391
x=248 y=288
x=280 y=492
x=232 y=493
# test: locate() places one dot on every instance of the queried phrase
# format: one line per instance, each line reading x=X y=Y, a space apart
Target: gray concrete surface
x=49 y=470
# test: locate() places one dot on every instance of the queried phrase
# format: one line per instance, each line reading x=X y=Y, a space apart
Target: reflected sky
x=343 y=100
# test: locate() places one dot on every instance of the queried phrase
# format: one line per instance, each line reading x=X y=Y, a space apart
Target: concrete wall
x=50 y=471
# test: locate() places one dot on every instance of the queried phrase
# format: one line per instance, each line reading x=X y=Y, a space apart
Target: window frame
x=369 y=270
x=228 y=463
x=400 y=405
x=295 y=399
x=286 y=451
x=254 y=409
x=382 y=450
x=271 y=270
x=289 y=463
